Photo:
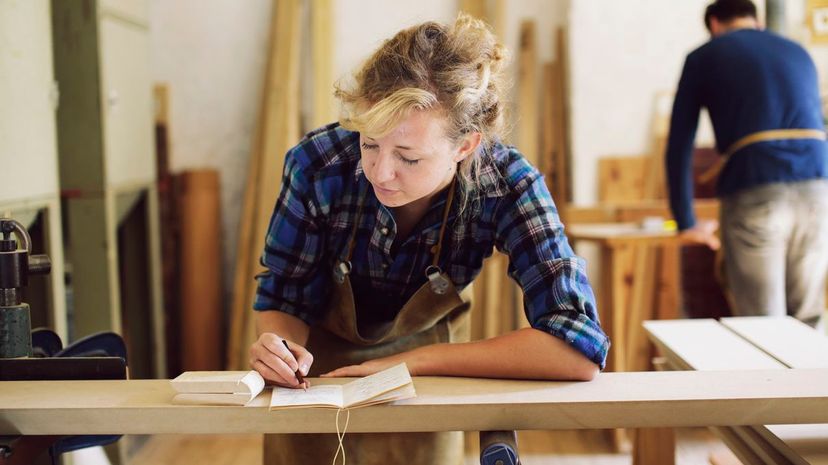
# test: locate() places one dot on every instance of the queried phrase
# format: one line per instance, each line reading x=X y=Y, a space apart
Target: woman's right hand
x=277 y=364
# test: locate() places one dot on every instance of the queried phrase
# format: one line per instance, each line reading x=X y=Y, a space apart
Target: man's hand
x=704 y=232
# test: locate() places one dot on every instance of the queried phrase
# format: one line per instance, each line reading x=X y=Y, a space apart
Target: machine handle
x=498 y=448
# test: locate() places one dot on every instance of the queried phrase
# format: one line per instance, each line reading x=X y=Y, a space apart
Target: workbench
x=611 y=400
x=748 y=344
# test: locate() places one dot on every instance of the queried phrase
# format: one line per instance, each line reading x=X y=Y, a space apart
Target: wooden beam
x=323 y=50
x=643 y=399
x=562 y=192
x=528 y=117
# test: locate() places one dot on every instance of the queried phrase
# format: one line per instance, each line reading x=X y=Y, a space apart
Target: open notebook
x=217 y=387
x=388 y=385
x=240 y=387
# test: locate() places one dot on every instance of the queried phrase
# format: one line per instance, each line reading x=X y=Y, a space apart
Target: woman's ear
x=468 y=145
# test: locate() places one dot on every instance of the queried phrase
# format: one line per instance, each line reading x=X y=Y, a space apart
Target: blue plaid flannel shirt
x=313 y=219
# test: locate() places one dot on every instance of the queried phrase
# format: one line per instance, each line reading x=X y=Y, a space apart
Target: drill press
x=99 y=356
x=15 y=267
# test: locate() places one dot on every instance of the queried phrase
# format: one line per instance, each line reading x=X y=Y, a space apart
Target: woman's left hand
x=376 y=365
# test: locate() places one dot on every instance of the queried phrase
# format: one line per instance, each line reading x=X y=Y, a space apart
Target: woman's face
x=413 y=161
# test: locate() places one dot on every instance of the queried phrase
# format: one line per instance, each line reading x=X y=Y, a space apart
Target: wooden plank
x=619 y=233
x=766 y=453
x=786 y=339
x=527 y=103
x=634 y=212
x=323 y=49
x=735 y=443
x=704 y=344
x=668 y=286
x=547 y=140
x=654 y=446
x=644 y=399
x=655 y=186
x=560 y=92
x=800 y=443
x=641 y=308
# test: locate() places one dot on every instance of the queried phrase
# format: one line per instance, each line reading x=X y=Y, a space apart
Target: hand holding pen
x=298 y=373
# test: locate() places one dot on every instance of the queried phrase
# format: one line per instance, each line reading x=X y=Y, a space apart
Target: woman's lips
x=382 y=190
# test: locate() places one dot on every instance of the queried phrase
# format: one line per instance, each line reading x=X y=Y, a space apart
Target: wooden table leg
x=616 y=278
x=654 y=446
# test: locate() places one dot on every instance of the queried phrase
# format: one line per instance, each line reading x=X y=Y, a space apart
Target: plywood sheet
x=787 y=339
x=704 y=344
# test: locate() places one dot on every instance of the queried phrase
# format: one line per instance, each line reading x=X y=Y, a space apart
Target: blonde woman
x=385 y=218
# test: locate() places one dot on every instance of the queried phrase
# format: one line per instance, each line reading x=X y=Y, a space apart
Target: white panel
x=135 y=10
x=787 y=339
x=127 y=104
x=28 y=160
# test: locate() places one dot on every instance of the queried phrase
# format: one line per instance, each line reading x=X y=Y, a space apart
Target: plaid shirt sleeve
x=558 y=298
x=294 y=281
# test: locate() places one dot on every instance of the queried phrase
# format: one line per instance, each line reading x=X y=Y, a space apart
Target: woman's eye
x=366 y=146
x=407 y=161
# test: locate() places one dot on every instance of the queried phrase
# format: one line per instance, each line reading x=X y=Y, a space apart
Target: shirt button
x=384 y=231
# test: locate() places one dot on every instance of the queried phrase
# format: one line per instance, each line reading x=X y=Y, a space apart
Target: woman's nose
x=383 y=168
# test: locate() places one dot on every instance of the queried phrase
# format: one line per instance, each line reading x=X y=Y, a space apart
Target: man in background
x=762 y=94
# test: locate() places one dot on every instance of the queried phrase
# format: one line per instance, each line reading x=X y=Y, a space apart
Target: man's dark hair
x=725 y=10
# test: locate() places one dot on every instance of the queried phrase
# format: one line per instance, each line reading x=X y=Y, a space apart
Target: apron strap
x=343 y=268
x=435 y=250
x=756 y=137
x=440 y=283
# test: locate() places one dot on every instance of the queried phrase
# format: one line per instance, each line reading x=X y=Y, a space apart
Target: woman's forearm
x=282 y=324
x=523 y=354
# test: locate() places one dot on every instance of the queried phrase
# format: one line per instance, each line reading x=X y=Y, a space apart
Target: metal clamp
x=439 y=283
x=341 y=270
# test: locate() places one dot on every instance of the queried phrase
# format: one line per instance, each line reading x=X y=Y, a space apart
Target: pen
x=298 y=374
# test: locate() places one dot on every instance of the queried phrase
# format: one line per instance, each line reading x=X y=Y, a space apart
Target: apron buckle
x=439 y=283
x=341 y=270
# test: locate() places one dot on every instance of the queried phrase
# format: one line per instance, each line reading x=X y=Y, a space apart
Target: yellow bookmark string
x=341 y=437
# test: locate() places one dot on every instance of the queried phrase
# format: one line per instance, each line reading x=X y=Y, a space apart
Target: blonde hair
x=455 y=69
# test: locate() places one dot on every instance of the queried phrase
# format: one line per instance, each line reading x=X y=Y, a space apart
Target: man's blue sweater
x=750 y=81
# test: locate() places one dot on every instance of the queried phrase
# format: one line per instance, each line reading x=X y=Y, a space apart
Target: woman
x=385 y=216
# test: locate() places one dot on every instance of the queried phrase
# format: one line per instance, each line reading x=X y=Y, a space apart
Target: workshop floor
x=694 y=447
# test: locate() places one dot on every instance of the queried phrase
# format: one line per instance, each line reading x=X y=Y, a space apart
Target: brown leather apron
x=435 y=313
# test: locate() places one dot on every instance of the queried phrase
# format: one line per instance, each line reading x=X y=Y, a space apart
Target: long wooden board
x=704 y=344
x=642 y=399
x=787 y=339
